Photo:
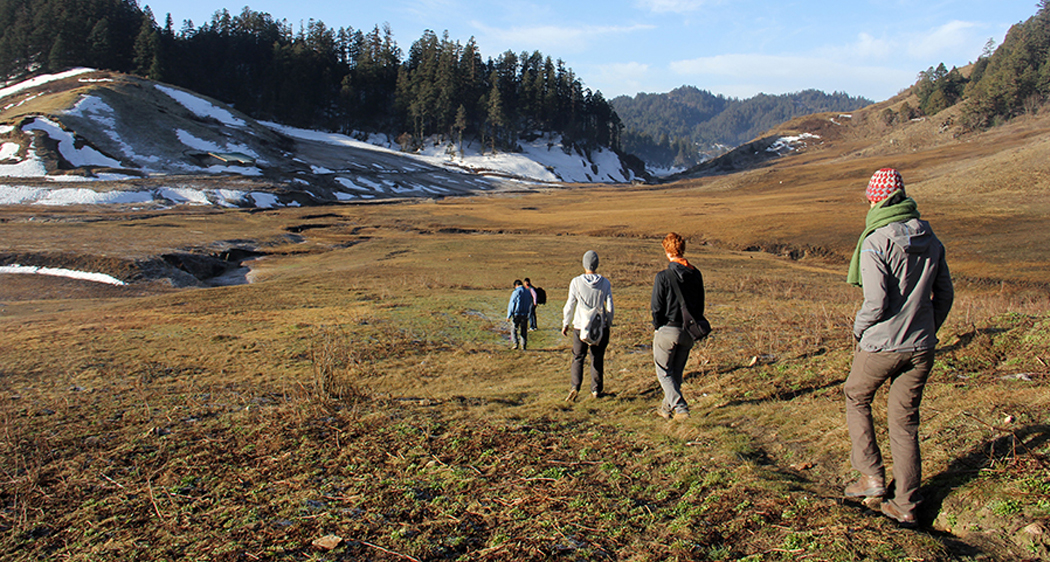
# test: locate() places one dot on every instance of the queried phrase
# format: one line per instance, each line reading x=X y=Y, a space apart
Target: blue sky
x=738 y=48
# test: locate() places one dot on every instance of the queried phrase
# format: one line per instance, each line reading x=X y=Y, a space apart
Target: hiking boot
x=572 y=395
x=681 y=416
x=867 y=486
x=665 y=414
x=906 y=520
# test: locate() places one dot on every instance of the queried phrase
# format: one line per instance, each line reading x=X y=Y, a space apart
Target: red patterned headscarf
x=883 y=183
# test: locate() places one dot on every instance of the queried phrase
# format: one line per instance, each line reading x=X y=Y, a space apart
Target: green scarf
x=878 y=217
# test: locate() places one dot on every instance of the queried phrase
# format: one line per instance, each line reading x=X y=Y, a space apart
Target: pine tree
x=99 y=46
x=146 y=46
x=495 y=117
x=461 y=125
x=60 y=56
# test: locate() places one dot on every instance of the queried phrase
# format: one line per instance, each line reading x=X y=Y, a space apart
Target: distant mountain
x=687 y=125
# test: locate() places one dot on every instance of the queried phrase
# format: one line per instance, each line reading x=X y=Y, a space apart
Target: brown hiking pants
x=907 y=373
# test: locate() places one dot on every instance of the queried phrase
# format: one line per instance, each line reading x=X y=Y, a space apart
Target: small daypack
x=541 y=296
x=594 y=328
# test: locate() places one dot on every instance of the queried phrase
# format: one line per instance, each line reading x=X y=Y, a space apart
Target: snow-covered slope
x=90 y=137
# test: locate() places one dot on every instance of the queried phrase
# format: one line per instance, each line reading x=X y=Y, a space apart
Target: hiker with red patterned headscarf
x=900 y=264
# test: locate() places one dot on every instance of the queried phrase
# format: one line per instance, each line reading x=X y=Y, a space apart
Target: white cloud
x=552 y=38
x=955 y=42
x=869 y=47
x=672 y=6
x=749 y=74
x=621 y=77
x=874 y=66
x=946 y=40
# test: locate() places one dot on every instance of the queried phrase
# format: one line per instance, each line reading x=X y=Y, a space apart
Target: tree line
x=344 y=79
x=1004 y=82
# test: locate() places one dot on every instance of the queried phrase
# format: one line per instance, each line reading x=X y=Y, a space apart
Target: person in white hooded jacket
x=590 y=296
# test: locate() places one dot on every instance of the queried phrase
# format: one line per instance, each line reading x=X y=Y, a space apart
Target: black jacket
x=665 y=308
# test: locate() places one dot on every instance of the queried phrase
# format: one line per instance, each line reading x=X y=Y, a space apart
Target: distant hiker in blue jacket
x=908 y=293
x=518 y=310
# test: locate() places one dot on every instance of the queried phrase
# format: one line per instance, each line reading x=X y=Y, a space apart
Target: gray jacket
x=907 y=288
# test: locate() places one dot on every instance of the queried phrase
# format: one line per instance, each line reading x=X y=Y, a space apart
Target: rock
x=328 y=542
x=1033 y=530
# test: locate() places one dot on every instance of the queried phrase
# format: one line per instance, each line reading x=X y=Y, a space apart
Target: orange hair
x=674 y=245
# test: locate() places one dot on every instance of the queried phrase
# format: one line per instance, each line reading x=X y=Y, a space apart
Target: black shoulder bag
x=698 y=330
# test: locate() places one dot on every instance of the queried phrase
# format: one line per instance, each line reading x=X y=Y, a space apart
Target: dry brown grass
x=363 y=387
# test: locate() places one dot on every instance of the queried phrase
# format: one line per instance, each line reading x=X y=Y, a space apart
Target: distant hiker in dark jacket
x=908 y=292
x=589 y=305
x=535 y=302
x=518 y=310
x=671 y=343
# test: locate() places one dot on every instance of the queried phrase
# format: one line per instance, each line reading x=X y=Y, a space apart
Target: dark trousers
x=520 y=327
x=580 y=350
x=907 y=373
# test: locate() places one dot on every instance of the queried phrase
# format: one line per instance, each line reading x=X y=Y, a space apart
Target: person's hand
x=564 y=330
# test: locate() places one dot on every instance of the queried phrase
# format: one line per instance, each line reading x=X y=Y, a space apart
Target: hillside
x=87 y=136
x=687 y=125
x=316 y=77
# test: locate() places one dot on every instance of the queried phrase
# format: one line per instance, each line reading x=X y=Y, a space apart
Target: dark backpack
x=541 y=296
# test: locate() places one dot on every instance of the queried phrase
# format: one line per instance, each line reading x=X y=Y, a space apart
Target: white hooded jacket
x=587 y=293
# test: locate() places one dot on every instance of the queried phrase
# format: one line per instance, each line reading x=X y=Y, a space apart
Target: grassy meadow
x=362 y=387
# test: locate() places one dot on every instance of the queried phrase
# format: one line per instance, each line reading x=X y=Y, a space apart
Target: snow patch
x=41 y=80
x=9 y=150
x=264 y=200
x=785 y=145
x=165 y=196
x=208 y=146
x=202 y=107
x=82 y=156
x=184 y=195
x=31 y=167
x=58 y=272
x=96 y=109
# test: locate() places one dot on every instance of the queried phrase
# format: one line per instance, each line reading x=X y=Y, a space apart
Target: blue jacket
x=520 y=303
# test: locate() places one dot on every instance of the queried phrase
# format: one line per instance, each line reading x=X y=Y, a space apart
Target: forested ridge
x=686 y=124
x=343 y=79
x=1004 y=82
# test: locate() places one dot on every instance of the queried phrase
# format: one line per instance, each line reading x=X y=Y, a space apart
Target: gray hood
x=913 y=236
